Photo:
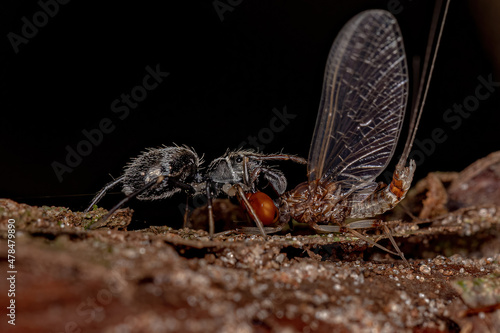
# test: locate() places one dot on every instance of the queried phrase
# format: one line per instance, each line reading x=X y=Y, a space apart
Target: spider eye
x=239 y=159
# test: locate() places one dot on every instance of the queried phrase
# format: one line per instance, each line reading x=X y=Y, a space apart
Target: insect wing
x=363 y=102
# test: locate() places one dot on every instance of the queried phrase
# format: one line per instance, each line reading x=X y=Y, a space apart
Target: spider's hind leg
x=102 y=221
x=102 y=192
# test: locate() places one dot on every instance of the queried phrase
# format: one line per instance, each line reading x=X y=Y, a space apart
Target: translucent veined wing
x=363 y=102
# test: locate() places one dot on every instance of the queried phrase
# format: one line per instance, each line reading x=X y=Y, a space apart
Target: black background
x=226 y=77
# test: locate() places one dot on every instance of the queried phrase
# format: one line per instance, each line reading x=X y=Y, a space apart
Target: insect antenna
x=418 y=103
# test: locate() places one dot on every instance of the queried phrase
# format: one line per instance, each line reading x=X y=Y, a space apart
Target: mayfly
x=360 y=117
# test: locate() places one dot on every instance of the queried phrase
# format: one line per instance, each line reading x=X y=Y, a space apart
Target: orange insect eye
x=263 y=206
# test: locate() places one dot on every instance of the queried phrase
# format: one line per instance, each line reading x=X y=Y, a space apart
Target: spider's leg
x=249 y=207
x=127 y=198
x=211 y=222
x=102 y=192
x=186 y=213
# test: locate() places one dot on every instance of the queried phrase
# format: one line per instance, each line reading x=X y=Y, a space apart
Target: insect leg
x=327 y=228
x=211 y=222
x=366 y=239
x=127 y=198
x=400 y=253
x=186 y=213
x=255 y=230
x=332 y=228
x=246 y=178
x=362 y=224
x=258 y=222
x=102 y=192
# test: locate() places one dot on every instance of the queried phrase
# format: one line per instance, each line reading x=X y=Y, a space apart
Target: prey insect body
x=360 y=116
x=358 y=125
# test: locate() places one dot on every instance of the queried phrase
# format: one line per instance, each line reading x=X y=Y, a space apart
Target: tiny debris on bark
x=157 y=279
